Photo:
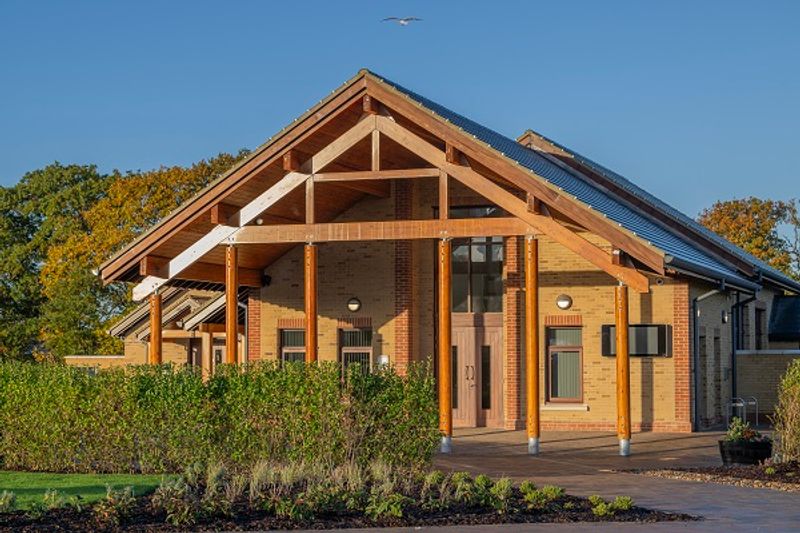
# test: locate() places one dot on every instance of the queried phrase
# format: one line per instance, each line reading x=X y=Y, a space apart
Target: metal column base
x=447 y=445
x=624 y=447
x=533 y=445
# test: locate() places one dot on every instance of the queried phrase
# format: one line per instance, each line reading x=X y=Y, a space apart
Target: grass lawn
x=31 y=486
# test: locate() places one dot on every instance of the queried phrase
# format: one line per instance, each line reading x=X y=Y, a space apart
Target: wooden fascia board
x=517 y=175
x=267 y=154
x=514 y=205
x=377 y=231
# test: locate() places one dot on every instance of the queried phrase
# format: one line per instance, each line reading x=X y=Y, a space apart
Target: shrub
x=502 y=492
x=8 y=501
x=787 y=415
x=604 y=509
x=161 y=419
x=740 y=431
x=117 y=504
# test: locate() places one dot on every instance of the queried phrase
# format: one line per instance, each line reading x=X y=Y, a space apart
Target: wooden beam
x=445 y=345
x=623 y=369
x=291 y=161
x=367 y=175
x=375 y=164
x=155 y=348
x=339 y=146
x=310 y=298
x=206 y=359
x=222 y=212
x=519 y=208
x=153 y=265
x=218 y=234
x=381 y=231
x=308 y=125
x=370 y=105
x=521 y=177
x=310 y=218
x=231 y=305
x=444 y=197
x=452 y=154
x=532 y=343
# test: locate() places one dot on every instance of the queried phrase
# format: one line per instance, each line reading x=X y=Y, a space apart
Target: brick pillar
x=403 y=293
x=681 y=355
x=254 y=325
x=512 y=318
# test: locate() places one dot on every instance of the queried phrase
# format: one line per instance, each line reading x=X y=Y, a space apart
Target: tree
x=44 y=209
x=79 y=309
x=756 y=226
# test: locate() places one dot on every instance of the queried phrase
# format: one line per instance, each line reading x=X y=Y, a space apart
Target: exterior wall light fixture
x=564 y=301
x=725 y=316
x=353 y=305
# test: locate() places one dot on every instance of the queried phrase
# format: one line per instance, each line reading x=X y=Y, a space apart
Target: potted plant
x=744 y=445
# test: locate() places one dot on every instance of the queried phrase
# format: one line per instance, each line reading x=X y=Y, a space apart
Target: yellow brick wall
x=760 y=375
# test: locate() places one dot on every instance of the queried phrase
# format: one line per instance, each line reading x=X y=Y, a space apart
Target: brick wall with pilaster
x=403 y=282
x=254 y=325
x=513 y=281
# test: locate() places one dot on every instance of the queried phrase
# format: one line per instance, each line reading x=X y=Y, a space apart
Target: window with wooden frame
x=293 y=345
x=564 y=364
x=355 y=348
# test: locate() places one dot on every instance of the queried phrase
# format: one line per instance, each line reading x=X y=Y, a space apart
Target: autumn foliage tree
x=767 y=229
x=59 y=224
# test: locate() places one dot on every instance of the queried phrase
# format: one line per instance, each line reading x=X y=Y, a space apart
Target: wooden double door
x=477 y=366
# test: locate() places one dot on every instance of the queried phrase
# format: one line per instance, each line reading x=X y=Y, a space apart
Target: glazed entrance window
x=477 y=279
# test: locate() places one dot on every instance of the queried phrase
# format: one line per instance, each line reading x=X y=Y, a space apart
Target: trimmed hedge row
x=161 y=419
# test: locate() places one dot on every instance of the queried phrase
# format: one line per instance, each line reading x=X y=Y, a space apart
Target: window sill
x=564 y=407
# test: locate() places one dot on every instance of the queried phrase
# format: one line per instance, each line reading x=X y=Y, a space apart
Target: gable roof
x=681 y=251
x=667 y=210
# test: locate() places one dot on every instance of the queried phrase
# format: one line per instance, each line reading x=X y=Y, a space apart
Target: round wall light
x=564 y=301
x=353 y=304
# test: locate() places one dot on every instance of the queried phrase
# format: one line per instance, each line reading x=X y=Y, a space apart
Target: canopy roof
x=574 y=192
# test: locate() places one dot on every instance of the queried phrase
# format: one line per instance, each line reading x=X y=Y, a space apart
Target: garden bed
x=143 y=517
x=781 y=476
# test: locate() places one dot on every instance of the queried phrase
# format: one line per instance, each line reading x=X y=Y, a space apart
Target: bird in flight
x=405 y=21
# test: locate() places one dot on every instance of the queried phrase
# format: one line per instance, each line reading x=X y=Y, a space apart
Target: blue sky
x=695 y=101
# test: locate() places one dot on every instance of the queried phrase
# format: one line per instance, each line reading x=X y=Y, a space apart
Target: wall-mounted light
x=353 y=304
x=725 y=316
x=564 y=301
x=259 y=221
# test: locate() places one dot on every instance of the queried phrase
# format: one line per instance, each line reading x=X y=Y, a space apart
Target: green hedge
x=161 y=419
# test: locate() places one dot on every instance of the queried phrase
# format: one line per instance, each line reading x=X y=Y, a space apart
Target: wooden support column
x=532 y=342
x=310 y=275
x=206 y=358
x=156 y=344
x=445 y=346
x=623 y=370
x=231 y=305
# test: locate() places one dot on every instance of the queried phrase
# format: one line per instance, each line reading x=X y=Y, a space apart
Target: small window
x=643 y=340
x=564 y=365
x=293 y=345
x=356 y=349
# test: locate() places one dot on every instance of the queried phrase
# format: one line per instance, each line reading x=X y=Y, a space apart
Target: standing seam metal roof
x=603 y=202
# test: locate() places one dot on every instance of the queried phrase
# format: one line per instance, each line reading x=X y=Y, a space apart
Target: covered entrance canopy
x=367 y=134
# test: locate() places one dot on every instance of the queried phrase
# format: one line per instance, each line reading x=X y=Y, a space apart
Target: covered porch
x=374 y=144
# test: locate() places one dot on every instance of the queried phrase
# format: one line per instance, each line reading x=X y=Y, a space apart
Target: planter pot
x=744 y=453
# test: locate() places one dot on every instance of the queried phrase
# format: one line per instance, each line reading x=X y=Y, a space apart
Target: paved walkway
x=584 y=464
